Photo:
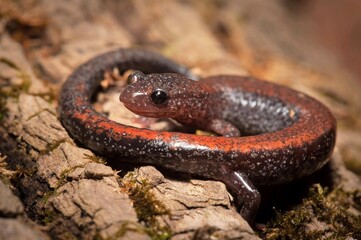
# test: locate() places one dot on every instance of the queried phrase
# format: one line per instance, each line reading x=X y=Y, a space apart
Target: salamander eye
x=159 y=96
x=135 y=76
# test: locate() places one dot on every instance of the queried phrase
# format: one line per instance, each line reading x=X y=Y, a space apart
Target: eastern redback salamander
x=271 y=134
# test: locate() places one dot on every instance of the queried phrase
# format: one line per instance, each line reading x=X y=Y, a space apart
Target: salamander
x=266 y=133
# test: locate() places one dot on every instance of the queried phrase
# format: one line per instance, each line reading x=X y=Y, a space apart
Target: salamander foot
x=246 y=194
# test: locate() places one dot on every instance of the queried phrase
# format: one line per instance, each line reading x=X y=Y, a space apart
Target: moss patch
x=95 y=158
x=5 y=173
x=14 y=90
x=147 y=207
x=52 y=146
x=333 y=213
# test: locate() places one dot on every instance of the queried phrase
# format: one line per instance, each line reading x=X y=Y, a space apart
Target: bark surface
x=52 y=188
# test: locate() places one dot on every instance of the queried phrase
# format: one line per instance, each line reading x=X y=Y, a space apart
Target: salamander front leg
x=223 y=128
x=246 y=194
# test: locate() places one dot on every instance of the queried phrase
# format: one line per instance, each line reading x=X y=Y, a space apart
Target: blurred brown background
x=336 y=25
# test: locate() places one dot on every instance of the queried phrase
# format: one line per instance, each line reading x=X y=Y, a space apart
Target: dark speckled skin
x=295 y=134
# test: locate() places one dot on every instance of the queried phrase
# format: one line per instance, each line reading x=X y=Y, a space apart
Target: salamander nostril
x=159 y=96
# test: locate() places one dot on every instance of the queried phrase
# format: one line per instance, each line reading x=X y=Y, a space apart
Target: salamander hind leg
x=246 y=195
x=223 y=128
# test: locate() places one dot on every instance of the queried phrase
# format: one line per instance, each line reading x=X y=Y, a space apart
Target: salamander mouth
x=150 y=113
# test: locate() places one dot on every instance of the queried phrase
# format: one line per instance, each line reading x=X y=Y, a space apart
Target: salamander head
x=163 y=95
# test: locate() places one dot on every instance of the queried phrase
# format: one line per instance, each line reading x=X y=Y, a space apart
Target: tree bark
x=68 y=192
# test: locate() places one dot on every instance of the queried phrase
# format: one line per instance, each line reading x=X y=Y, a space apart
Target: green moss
x=52 y=146
x=14 y=90
x=48 y=195
x=47 y=216
x=330 y=210
x=63 y=177
x=22 y=171
x=95 y=158
x=147 y=208
x=64 y=174
x=6 y=175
